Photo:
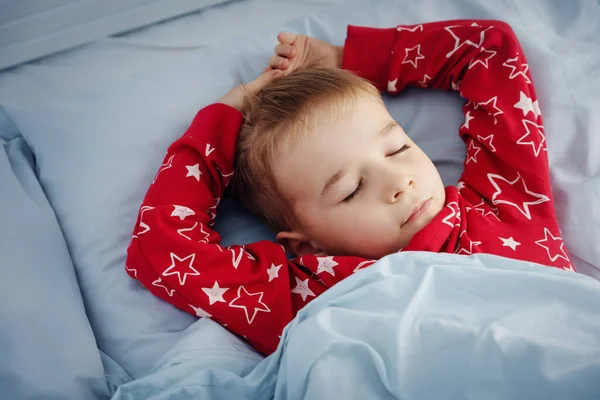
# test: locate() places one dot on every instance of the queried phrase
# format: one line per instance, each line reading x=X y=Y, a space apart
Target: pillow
x=98 y=146
x=47 y=346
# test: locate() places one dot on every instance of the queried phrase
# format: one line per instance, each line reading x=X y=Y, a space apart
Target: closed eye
x=353 y=194
x=400 y=150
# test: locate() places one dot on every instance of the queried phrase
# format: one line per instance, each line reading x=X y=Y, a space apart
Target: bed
x=83 y=132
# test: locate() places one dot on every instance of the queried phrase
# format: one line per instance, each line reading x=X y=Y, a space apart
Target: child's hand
x=298 y=51
x=235 y=97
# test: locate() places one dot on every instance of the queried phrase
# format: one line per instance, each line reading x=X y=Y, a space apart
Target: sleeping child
x=314 y=152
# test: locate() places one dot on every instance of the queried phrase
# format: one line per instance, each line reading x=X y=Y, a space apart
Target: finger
x=286 y=37
x=285 y=50
x=263 y=79
x=267 y=68
x=278 y=62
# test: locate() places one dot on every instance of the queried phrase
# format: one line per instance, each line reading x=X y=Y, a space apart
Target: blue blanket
x=416 y=326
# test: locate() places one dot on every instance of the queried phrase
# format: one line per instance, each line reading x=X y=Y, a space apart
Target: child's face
x=355 y=183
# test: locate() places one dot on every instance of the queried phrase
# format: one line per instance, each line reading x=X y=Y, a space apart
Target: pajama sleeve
x=506 y=165
x=253 y=290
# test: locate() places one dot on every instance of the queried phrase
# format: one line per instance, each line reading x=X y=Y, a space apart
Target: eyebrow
x=331 y=182
x=388 y=128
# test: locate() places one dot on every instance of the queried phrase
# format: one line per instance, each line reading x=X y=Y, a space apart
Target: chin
x=438 y=204
x=382 y=253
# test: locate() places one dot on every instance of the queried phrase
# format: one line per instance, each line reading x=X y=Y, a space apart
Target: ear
x=298 y=243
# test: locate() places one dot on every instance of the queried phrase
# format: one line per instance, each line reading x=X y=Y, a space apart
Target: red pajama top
x=502 y=203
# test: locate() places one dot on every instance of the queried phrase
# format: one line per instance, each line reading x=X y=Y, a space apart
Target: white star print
x=480 y=208
x=134 y=271
x=488 y=140
x=509 y=242
x=326 y=264
x=536 y=109
x=158 y=283
x=414 y=29
x=200 y=313
x=392 y=85
x=458 y=44
x=206 y=234
x=537 y=147
x=255 y=309
x=302 y=288
x=208 y=150
x=273 y=272
x=194 y=170
x=212 y=210
x=224 y=175
x=414 y=59
x=468 y=119
x=514 y=73
x=454 y=212
x=203 y=240
x=473 y=155
x=493 y=100
x=248 y=254
x=163 y=167
x=362 y=265
x=426 y=78
x=525 y=104
x=550 y=242
x=236 y=260
x=469 y=251
x=491 y=54
x=182 y=212
x=174 y=257
x=142 y=224
x=524 y=207
x=460 y=185
x=456 y=86
x=212 y=216
x=214 y=206
x=131 y=240
x=215 y=293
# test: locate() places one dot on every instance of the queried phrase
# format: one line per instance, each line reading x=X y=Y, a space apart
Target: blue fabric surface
x=98 y=120
x=418 y=326
x=43 y=326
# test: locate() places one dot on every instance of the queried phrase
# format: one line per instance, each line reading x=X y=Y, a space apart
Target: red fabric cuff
x=216 y=116
x=367 y=53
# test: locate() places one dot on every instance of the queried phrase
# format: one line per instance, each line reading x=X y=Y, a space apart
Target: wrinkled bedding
x=417 y=326
x=83 y=133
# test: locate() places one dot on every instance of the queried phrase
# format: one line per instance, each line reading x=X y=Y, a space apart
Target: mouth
x=418 y=211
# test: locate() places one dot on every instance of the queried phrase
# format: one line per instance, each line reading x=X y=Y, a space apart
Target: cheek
x=425 y=166
x=355 y=227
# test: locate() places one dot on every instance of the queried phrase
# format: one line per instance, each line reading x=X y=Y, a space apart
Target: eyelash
x=353 y=194
x=360 y=184
x=400 y=150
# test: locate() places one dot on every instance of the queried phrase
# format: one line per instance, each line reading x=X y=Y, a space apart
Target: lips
x=418 y=211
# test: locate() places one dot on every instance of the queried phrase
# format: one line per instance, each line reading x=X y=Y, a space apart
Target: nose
x=398 y=184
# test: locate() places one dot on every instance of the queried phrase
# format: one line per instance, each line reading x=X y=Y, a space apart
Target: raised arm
x=506 y=161
x=253 y=290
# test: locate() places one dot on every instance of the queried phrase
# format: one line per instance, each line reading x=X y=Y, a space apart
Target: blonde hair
x=283 y=111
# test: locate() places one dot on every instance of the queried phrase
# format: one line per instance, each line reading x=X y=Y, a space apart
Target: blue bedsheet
x=82 y=134
x=417 y=326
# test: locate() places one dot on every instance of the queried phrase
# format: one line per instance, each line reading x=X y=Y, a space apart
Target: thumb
x=263 y=80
